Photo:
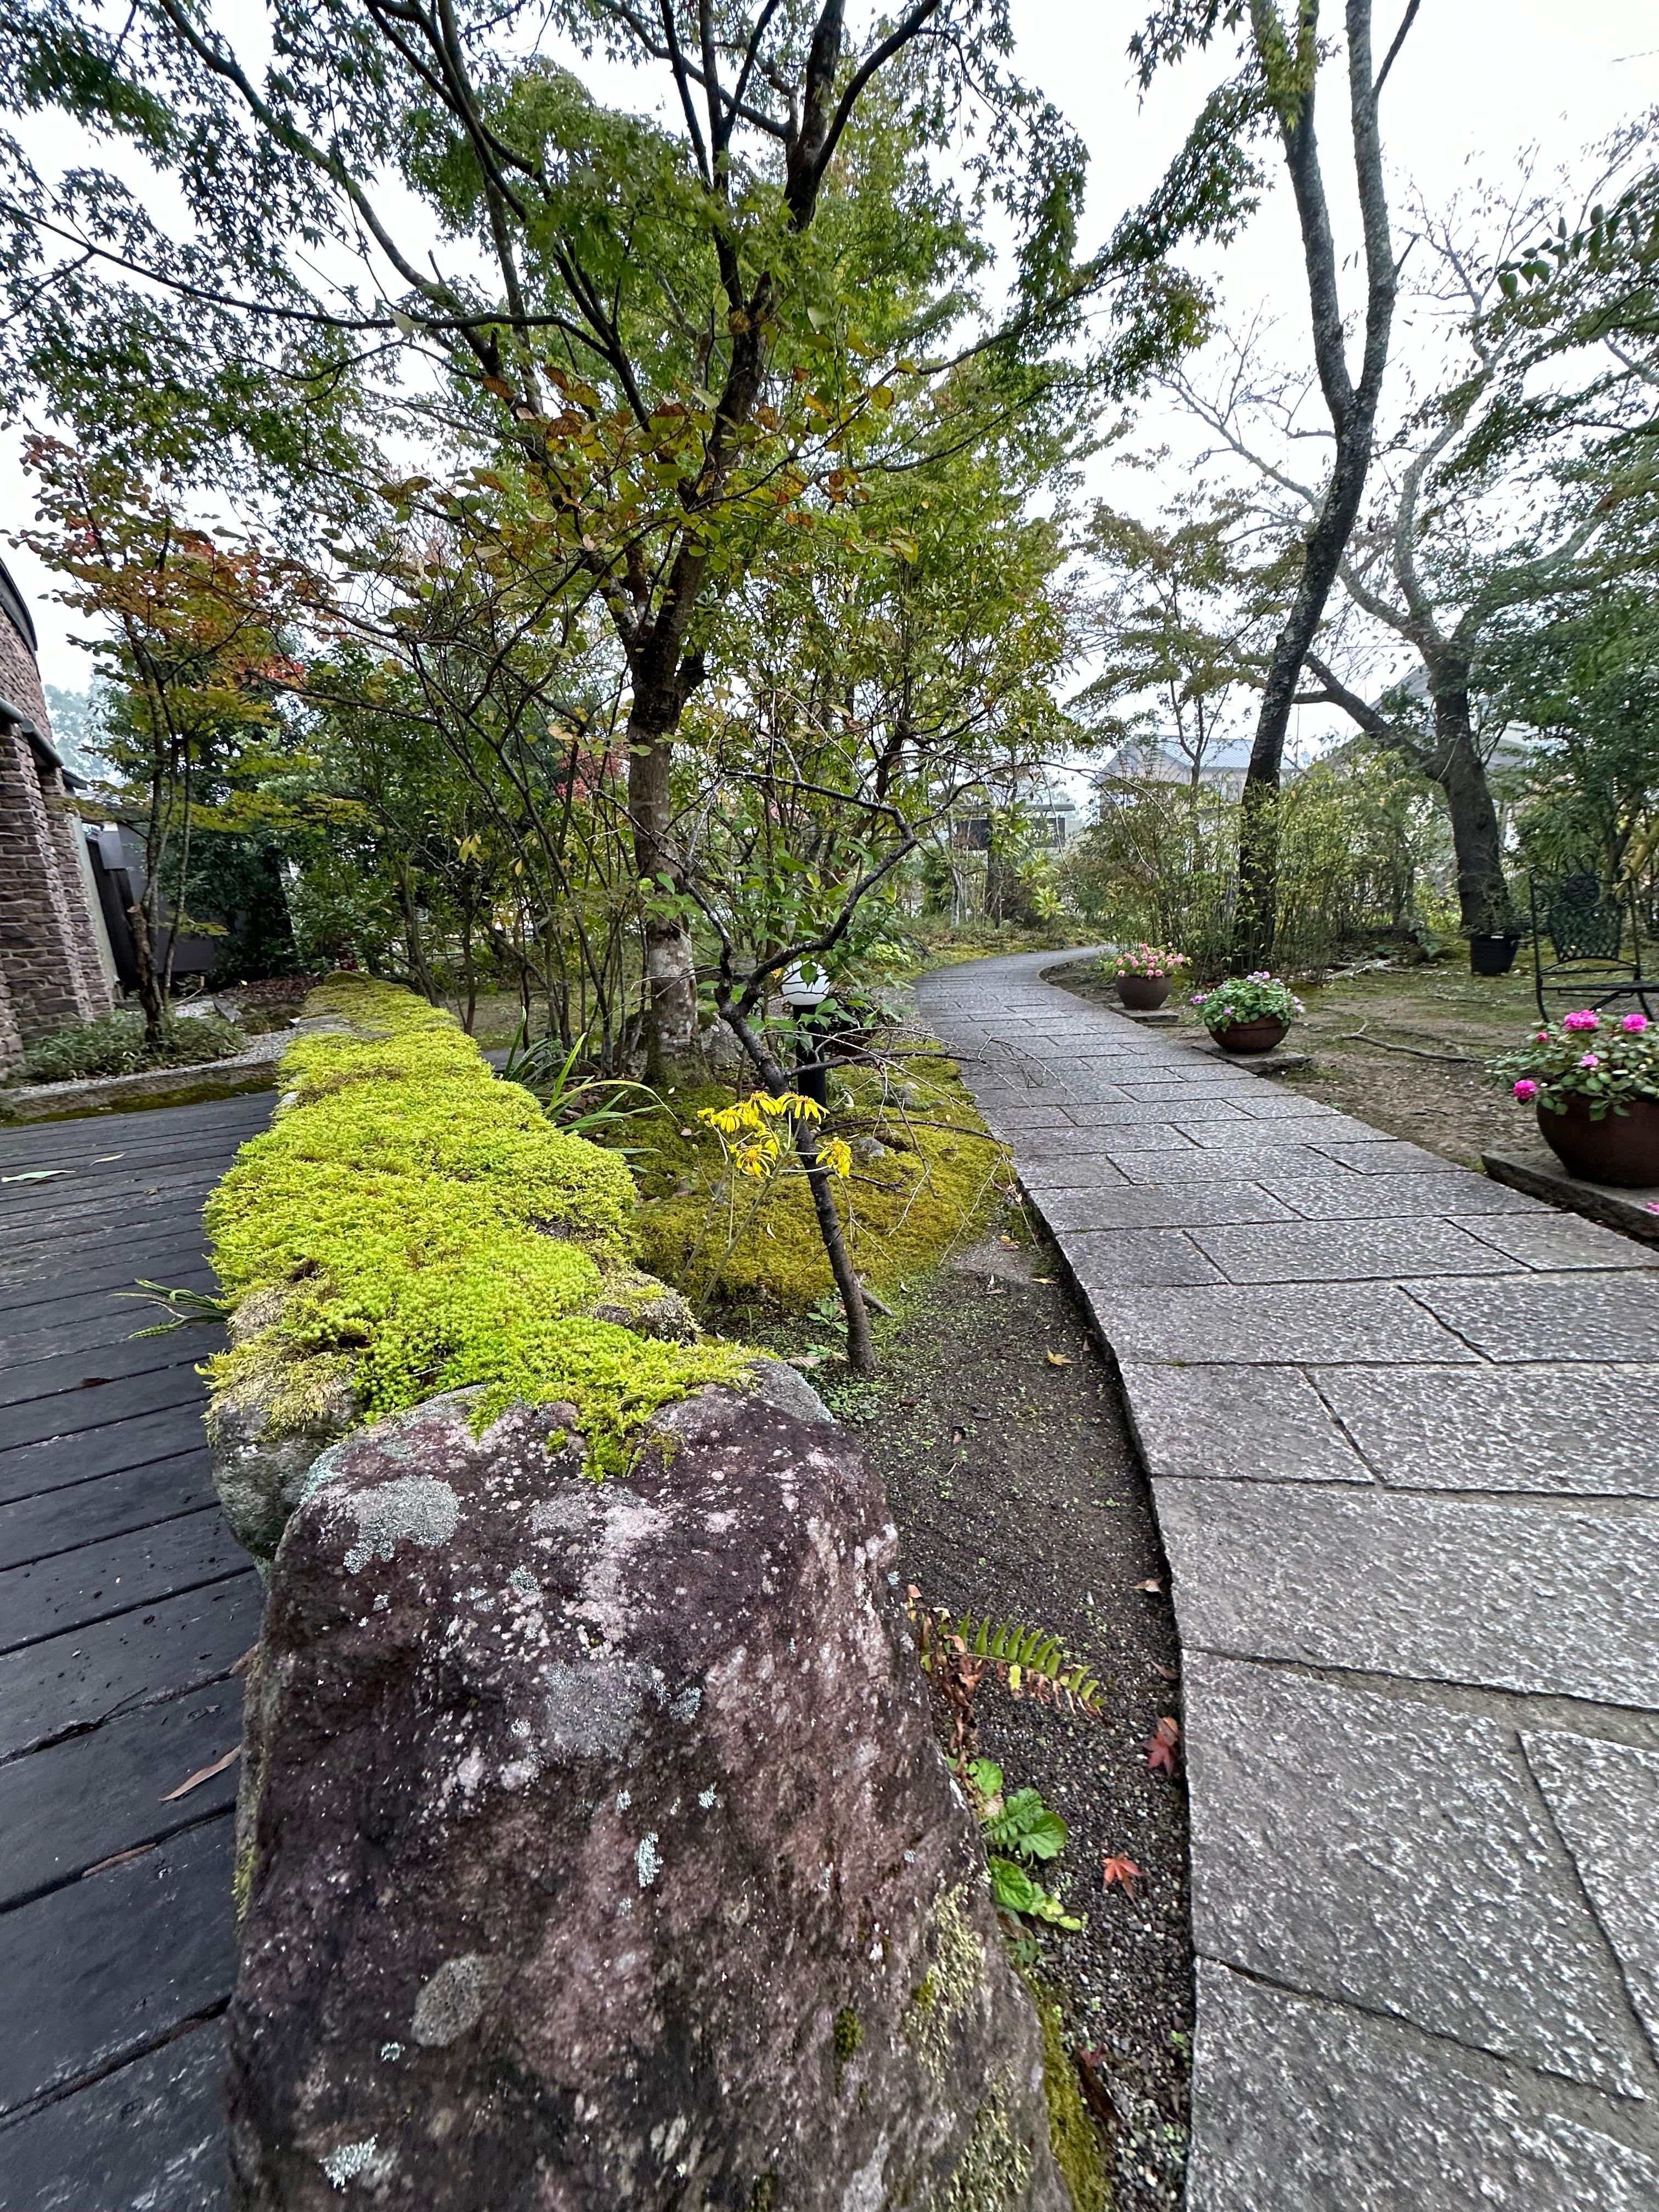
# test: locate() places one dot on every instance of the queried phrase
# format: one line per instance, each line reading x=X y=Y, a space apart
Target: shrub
x=1155 y=962
x=410 y=1215
x=114 y=1045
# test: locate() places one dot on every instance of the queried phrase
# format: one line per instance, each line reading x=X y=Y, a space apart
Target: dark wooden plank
x=101 y=1971
x=154 y=1417
x=86 y=1800
x=96 y=1582
x=35 y=1270
x=209 y=1118
x=50 y=1207
x=90 y=1674
x=75 y=1371
x=107 y=1319
x=31 y=1302
x=88 y=1512
x=97 y=1151
x=148 y=2138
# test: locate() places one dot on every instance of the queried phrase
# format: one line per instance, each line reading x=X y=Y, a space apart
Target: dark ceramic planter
x=1620 y=1148
x=1491 y=956
x=1142 y=994
x=1259 y=1035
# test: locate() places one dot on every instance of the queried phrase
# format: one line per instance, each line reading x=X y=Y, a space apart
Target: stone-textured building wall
x=51 y=973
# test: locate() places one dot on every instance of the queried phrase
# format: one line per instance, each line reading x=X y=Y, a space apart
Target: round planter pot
x=1259 y=1035
x=1142 y=994
x=1620 y=1148
x=1491 y=956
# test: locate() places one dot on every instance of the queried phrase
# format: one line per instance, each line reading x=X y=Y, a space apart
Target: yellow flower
x=838 y=1155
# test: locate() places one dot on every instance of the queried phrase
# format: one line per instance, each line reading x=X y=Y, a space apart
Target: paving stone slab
x=1285 y=1129
x=1301 y=2107
x=1371 y=1152
x=1341 y=1194
x=1535 y=1596
x=1280 y=1325
x=1561 y=1240
x=1605 y=1801
x=1564 y=1318
x=93 y=1973
x=1239 y=1160
x=1387 y=1854
x=1133 y=1113
x=148 y=2138
x=1250 y=1424
x=87 y=1799
x=1143 y=1257
x=1075 y=1171
x=1082 y=1211
x=1350 y=1252
x=1039 y=1148
x=1477 y=1428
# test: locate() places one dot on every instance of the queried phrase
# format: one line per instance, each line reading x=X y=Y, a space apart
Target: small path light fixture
x=806 y=986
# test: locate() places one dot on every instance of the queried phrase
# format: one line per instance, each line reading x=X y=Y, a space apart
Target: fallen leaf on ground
x=1161 y=1747
x=1168 y=1673
x=34 y=1175
x=138 y=1852
x=1118 y=1870
x=1012 y=1243
x=1056 y=1359
x=103 y=1159
x=1096 y=2094
x=1150 y=1583
x=1049 y=1280
x=246 y=1660
x=203 y=1774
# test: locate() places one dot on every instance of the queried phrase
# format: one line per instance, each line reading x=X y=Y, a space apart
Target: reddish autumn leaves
x=1124 y=1871
x=1162 y=1746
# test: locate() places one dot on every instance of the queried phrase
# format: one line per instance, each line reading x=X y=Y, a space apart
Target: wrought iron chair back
x=1587 y=925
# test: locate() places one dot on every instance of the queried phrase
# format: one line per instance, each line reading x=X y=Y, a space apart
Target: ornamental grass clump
x=1255 y=997
x=413 y=1220
x=1157 y=964
x=1610 y=1062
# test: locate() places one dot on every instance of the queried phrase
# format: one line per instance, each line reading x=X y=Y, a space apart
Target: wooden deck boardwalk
x=125 y=1605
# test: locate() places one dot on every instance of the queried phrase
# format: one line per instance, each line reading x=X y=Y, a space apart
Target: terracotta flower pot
x=1259 y=1035
x=1142 y=994
x=1620 y=1148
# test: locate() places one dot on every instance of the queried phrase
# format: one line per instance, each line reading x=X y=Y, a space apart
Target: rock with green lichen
x=409 y=1225
x=596 y=1850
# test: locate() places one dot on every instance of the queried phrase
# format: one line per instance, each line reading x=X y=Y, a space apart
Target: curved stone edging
x=1392 y=1415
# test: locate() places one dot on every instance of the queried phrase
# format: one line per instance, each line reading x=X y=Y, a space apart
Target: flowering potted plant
x=1144 y=975
x=1593 y=1082
x=1249 y=1013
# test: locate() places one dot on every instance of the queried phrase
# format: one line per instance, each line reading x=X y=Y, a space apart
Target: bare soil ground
x=996 y=1425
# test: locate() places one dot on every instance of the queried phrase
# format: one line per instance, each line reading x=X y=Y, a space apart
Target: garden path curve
x=1400 y=1425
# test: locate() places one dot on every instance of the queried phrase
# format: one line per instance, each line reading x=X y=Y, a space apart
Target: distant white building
x=1160 y=760
x=1053 y=816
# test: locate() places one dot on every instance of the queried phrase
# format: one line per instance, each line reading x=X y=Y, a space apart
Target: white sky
x=1478 y=80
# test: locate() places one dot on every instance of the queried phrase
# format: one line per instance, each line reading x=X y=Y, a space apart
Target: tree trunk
x=1353 y=408
x=151 y=993
x=670 y=967
x=1483 y=896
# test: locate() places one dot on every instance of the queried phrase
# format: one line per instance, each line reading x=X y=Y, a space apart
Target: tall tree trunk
x=1483 y=896
x=1353 y=408
x=671 y=975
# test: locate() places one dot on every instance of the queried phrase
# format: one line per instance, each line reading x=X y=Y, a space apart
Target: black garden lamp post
x=806 y=986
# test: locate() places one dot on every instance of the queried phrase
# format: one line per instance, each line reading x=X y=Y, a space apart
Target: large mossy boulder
x=596 y=1850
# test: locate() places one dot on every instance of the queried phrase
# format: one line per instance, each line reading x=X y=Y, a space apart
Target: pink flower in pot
x=1633 y=1025
x=1591 y=1059
x=1584 y=1019
x=1526 y=1091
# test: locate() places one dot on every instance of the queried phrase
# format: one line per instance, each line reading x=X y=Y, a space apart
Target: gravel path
x=1400 y=1423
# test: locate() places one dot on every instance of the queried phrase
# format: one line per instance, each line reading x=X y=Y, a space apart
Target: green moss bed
x=409 y=1224
x=721 y=1237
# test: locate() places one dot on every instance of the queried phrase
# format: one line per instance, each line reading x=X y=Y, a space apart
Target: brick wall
x=49 y=972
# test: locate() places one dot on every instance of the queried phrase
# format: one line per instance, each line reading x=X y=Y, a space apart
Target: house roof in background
x=16 y=609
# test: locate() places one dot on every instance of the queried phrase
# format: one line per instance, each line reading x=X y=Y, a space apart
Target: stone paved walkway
x=1400 y=1424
